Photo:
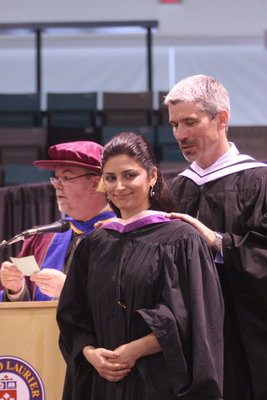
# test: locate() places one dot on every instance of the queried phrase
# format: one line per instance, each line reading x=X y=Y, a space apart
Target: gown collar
x=143 y=218
x=232 y=161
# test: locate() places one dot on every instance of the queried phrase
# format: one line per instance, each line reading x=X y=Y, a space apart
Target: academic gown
x=128 y=281
x=236 y=206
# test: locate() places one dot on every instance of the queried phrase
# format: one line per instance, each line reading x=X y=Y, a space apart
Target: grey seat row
x=80 y=110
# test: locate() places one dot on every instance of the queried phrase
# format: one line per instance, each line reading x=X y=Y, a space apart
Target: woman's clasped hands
x=112 y=365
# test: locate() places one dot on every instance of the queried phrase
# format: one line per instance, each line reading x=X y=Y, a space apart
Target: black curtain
x=21 y=208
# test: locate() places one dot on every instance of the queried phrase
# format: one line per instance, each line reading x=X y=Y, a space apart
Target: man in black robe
x=224 y=195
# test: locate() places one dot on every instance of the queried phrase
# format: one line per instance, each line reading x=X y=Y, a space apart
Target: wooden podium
x=29 y=331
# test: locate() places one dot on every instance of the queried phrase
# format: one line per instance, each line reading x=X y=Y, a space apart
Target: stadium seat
x=121 y=109
x=20 y=110
x=17 y=174
x=167 y=145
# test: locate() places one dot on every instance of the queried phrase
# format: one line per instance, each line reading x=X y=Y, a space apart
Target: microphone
x=58 y=226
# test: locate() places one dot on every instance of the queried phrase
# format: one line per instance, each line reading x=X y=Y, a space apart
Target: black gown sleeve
x=73 y=317
x=245 y=264
x=75 y=324
x=188 y=322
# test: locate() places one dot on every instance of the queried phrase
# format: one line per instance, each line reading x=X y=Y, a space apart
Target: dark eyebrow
x=127 y=170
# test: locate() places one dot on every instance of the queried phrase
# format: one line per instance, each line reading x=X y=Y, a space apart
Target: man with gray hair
x=224 y=195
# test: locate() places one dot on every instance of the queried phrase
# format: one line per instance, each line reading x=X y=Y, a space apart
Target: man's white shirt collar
x=230 y=162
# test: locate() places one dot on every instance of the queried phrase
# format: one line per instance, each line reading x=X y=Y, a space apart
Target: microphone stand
x=15 y=239
x=58 y=226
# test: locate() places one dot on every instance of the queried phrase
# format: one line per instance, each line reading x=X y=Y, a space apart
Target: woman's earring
x=152 y=192
x=107 y=196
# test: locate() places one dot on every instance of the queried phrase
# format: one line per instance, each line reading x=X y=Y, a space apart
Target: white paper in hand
x=27 y=265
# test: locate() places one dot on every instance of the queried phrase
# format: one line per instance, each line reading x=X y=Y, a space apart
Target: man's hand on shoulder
x=205 y=232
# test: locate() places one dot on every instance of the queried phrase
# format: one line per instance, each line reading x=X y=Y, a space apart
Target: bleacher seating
x=250 y=140
x=71 y=117
x=74 y=116
x=168 y=148
x=20 y=110
x=147 y=131
x=22 y=145
x=163 y=114
x=121 y=109
x=71 y=110
x=17 y=174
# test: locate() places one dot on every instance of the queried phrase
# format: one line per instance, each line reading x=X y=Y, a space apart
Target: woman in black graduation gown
x=141 y=312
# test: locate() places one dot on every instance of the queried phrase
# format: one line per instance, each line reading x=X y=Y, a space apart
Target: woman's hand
x=128 y=353
x=106 y=364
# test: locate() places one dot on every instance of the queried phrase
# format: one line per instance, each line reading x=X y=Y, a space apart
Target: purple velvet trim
x=151 y=219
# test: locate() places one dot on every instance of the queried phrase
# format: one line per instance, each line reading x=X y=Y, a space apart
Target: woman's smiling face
x=127 y=184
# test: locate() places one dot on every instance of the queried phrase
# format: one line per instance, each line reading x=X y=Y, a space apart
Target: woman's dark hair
x=136 y=146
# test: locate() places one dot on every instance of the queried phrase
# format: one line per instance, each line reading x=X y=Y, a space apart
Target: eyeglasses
x=65 y=181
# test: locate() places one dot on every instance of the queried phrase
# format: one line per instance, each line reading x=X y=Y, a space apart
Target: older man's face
x=74 y=196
